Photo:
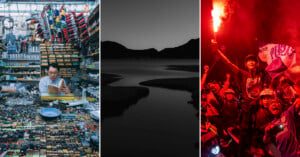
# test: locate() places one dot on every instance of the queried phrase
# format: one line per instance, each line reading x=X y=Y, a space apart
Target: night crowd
x=254 y=116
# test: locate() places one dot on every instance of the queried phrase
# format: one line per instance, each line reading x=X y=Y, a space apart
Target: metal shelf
x=17 y=67
x=20 y=59
x=18 y=74
x=24 y=80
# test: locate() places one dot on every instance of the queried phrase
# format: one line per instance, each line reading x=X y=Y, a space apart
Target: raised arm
x=232 y=66
x=226 y=85
x=204 y=75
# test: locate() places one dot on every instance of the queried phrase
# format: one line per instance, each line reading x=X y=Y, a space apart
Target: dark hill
x=113 y=50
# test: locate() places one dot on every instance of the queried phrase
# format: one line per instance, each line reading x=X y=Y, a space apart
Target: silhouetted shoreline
x=115 y=100
x=187 y=84
x=189 y=68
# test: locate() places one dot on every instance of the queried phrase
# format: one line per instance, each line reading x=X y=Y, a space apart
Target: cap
x=266 y=92
x=229 y=90
x=251 y=57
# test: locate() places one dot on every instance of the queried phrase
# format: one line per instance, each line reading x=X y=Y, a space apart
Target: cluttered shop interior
x=49 y=78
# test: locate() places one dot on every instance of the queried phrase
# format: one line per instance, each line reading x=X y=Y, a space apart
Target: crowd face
x=229 y=96
x=275 y=108
x=251 y=64
x=214 y=87
x=266 y=101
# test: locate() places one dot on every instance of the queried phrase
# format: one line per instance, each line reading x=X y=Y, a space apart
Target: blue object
x=50 y=112
x=56 y=12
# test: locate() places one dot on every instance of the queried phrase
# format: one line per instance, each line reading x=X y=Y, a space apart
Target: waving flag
x=281 y=59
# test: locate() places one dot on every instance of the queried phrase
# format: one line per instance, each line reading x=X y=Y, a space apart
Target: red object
x=66 y=33
x=86 y=38
x=61 y=7
x=79 y=18
x=82 y=26
x=85 y=32
x=80 y=14
x=81 y=21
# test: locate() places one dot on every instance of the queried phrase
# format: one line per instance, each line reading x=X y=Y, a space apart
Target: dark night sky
x=142 y=24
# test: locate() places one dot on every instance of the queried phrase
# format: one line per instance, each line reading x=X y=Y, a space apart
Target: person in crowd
x=260 y=118
x=282 y=131
x=285 y=90
x=53 y=79
x=252 y=81
x=214 y=100
x=229 y=108
x=229 y=112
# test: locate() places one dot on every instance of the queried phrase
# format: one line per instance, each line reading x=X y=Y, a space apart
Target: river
x=161 y=124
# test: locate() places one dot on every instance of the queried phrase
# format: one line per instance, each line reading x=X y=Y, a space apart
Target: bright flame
x=217 y=13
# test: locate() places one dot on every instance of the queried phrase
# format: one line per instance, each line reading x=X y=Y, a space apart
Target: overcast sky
x=142 y=24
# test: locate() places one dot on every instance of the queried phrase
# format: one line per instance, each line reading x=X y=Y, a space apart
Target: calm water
x=162 y=124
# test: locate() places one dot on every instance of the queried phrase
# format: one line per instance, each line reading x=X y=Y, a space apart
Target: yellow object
x=66 y=98
x=62 y=12
x=58 y=19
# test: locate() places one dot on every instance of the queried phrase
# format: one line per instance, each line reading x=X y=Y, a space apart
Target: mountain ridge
x=114 y=50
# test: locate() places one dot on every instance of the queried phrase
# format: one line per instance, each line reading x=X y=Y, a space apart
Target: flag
x=281 y=60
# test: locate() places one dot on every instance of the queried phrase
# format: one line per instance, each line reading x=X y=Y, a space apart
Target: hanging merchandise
x=82 y=27
x=58 y=26
x=86 y=8
x=8 y=23
x=32 y=28
x=48 y=21
x=71 y=28
x=64 y=24
x=10 y=38
x=45 y=23
x=51 y=23
x=41 y=27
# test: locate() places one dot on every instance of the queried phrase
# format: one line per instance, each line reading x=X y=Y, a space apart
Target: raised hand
x=227 y=75
x=206 y=68
x=214 y=46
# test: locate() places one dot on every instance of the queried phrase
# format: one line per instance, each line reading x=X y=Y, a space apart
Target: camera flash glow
x=215 y=150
